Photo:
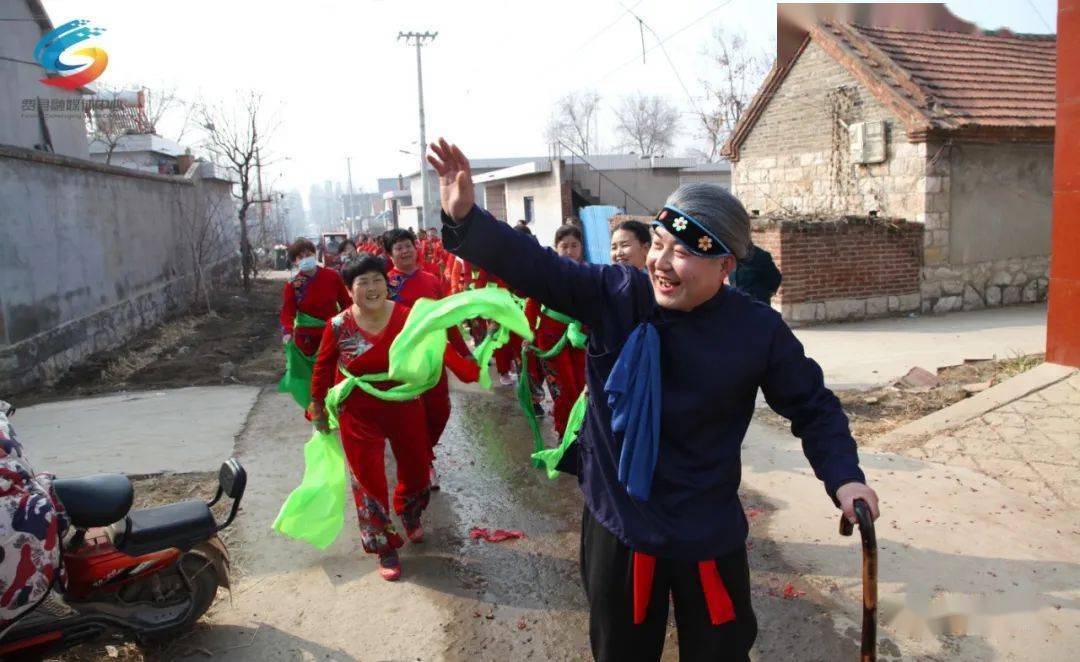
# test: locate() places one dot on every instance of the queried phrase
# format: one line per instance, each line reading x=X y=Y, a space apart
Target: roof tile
x=989 y=79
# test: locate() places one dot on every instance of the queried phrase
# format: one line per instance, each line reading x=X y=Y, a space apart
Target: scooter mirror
x=232 y=478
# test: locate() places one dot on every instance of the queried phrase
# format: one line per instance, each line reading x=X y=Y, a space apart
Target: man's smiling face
x=680 y=279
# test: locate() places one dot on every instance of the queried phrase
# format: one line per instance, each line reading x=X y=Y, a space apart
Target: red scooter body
x=99 y=568
x=151 y=573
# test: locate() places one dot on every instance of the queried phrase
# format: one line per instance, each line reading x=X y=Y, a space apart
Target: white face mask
x=307 y=264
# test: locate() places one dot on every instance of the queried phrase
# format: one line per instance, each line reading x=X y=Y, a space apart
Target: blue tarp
x=595 y=220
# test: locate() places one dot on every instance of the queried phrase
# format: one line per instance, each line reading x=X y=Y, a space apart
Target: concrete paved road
x=863 y=354
x=969 y=570
x=458 y=599
x=179 y=430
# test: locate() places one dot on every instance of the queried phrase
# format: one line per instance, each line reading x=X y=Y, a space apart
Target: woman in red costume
x=315 y=291
x=564 y=373
x=409 y=282
x=358 y=340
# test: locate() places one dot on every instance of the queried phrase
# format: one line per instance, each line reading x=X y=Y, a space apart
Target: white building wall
x=20 y=81
x=546 y=192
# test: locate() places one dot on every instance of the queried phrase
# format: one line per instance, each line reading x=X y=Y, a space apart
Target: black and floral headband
x=691 y=232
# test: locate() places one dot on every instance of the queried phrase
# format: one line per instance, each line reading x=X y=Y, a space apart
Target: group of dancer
x=674 y=361
x=344 y=320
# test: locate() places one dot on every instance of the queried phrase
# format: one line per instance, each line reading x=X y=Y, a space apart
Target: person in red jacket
x=358 y=340
x=408 y=282
x=315 y=291
x=435 y=257
x=564 y=373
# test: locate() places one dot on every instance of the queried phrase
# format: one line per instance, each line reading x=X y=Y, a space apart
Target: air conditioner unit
x=867 y=141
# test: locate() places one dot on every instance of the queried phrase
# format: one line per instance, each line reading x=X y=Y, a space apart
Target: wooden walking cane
x=869 y=576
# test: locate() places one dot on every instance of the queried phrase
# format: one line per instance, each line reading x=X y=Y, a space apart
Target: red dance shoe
x=390 y=566
x=415 y=535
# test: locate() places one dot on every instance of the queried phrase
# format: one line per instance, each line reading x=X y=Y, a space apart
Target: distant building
x=33 y=115
x=547 y=191
x=146 y=152
x=411 y=210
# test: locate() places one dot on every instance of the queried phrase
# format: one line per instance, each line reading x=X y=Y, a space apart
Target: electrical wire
x=666 y=39
x=605 y=28
x=1039 y=14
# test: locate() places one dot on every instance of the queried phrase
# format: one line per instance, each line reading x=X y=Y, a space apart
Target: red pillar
x=1063 y=318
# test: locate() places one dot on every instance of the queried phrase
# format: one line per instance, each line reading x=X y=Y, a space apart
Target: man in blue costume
x=675 y=359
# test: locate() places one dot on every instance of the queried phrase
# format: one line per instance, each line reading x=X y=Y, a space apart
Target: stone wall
x=988 y=226
x=947 y=288
x=853 y=268
x=796 y=159
x=92 y=254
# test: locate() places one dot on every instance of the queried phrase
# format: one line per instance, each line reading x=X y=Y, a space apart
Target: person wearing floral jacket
x=32 y=524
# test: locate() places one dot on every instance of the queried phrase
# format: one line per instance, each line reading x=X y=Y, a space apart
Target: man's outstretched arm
x=579 y=290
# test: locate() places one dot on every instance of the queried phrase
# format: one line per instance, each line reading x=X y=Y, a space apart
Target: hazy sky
x=343 y=85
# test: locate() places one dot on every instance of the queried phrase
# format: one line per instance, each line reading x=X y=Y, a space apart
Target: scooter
x=151 y=573
x=868 y=651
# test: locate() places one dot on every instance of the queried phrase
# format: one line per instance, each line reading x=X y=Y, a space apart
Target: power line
x=693 y=102
x=18 y=61
x=605 y=28
x=667 y=38
x=674 y=69
x=1039 y=14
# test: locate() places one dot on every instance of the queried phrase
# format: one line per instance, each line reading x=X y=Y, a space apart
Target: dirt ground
x=874 y=412
x=232 y=344
x=187 y=350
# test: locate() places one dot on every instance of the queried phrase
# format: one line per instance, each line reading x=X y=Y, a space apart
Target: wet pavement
x=458 y=599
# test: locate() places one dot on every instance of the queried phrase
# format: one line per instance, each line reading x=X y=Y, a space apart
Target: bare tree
x=647 y=124
x=234 y=139
x=572 y=121
x=106 y=129
x=164 y=106
x=205 y=232
x=739 y=72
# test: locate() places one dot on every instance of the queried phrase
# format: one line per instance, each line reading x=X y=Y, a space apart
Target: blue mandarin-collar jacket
x=713 y=360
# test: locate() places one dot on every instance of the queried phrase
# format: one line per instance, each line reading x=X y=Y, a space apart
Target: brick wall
x=848 y=269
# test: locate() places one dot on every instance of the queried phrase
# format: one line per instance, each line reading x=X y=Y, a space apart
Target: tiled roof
x=990 y=80
x=986 y=86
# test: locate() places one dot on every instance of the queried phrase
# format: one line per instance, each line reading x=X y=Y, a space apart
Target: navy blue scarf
x=633 y=390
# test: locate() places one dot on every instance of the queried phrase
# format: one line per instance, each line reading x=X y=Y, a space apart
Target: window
x=528 y=209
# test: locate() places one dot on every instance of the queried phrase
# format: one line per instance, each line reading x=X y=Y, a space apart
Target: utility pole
x=352 y=213
x=418 y=39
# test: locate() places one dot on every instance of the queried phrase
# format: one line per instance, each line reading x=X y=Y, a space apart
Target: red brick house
x=928 y=154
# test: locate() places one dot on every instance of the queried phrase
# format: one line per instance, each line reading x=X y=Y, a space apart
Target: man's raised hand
x=455 y=179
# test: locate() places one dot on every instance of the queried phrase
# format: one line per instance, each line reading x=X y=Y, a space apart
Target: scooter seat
x=97 y=500
x=179 y=525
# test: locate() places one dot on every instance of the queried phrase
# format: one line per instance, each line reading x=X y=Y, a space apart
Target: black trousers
x=607 y=573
